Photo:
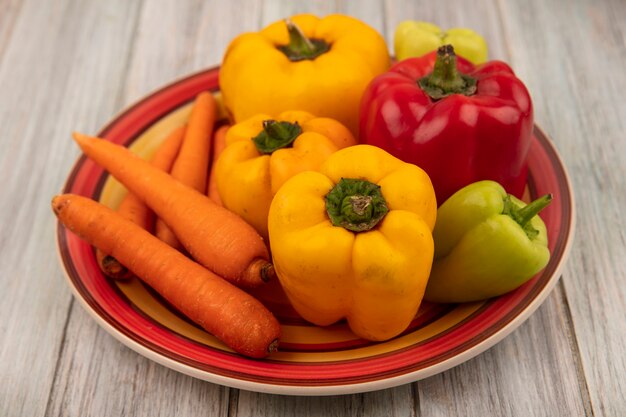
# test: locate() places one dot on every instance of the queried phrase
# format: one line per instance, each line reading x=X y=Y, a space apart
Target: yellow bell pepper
x=414 y=39
x=354 y=241
x=263 y=152
x=307 y=63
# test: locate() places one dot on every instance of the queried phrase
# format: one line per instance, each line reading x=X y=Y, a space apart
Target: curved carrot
x=219 y=143
x=165 y=155
x=192 y=163
x=230 y=314
x=135 y=210
x=213 y=235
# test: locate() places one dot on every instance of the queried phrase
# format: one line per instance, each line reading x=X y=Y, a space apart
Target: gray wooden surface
x=72 y=64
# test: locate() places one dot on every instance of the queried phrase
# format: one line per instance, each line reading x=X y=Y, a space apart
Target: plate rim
x=326 y=389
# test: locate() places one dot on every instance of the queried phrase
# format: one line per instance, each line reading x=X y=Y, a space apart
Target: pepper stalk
x=445 y=78
x=356 y=205
x=300 y=47
x=276 y=135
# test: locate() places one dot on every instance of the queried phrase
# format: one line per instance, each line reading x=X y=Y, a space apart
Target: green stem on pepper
x=445 y=78
x=276 y=135
x=523 y=215
x=356 y=205
x=300 y=47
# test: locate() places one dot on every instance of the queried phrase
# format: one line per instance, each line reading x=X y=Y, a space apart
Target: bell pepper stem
x=356 y=205
x=277 y=129
x=276 y=135
x=300 y=47
x=445 y=78
x=523 y=215
x=526 y=213
x=297 y=40
x=445 y=74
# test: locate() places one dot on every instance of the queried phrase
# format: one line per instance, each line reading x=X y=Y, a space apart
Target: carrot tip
x=258 y=272
x=78 y=136
x=268 y=272
x=273 y=347
x=115 y=270
x=57 y=204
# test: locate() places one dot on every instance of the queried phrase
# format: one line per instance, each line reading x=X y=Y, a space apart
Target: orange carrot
x=167 y=152
x=213 y=235
x=135 y=210
x=229 y=313
x=219 y=143
x=192 y=163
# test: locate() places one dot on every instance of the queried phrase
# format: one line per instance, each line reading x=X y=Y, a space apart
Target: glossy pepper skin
x=320 y=65
x=414 y=39
x=487 y=243
x=459 y=123
x=259 y=157
x=339 y=253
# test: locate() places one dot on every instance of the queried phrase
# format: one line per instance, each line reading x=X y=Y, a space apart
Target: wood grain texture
x=9 y=11
x=169 y=42
x=530 y=373
x=71 y=65
x=98 y=376
x=579 y=100
x=173 y=41
x=48 y=88
x=371 y=11
x=395 y=402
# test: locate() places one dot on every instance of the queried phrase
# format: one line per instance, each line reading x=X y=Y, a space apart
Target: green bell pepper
x=413 y=39
x=487 y=243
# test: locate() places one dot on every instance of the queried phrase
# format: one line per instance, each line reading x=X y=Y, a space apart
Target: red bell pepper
x=458 y=122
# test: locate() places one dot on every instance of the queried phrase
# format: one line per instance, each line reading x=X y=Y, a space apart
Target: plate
x=311 y=360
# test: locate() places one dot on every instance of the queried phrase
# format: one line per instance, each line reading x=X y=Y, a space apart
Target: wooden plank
x=9 y=10
x=498 y=382
x=174 y=40
x=48 y=89
x=523 y=375
x=390 y=402
x=371 y=12
x=573 y=61
x=277 y=10
x=96 y=374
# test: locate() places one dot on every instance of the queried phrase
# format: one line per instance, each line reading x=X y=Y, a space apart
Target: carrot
x=167 y=152
x=213 y=235
x=219 y=143
x=227 y=312
x=192 y=163
x=135 y=210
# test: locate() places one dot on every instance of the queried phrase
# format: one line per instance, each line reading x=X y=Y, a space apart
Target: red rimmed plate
x=312 y=360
